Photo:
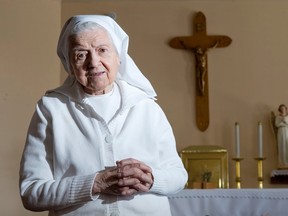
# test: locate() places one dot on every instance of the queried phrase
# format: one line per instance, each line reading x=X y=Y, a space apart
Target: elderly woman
x=99 y=144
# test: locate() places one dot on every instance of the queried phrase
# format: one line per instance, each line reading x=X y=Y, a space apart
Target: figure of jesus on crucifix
x=201 y=68
x=199 y=44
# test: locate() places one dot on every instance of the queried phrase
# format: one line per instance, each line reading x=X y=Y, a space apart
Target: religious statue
x=201 y=68
x=281 y=123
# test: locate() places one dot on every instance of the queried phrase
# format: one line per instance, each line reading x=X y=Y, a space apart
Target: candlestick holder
x=260 y=171
x=238 y=176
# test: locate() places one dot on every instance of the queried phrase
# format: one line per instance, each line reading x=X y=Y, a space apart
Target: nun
x=99 y=144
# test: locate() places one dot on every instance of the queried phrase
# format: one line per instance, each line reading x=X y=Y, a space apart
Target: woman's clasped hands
x=128 y=177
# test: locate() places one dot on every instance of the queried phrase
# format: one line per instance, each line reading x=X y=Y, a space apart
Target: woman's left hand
x=134 y=176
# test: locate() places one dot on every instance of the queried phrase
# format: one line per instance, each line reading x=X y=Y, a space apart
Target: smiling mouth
x=90 y=75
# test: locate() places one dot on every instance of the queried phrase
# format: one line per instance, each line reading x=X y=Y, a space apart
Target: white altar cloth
x=230 y=202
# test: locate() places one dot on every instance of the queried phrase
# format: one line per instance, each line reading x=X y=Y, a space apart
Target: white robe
x=282 y=140
x=68 y=143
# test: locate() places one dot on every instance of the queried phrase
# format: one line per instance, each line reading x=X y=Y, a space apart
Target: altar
x=230 y=202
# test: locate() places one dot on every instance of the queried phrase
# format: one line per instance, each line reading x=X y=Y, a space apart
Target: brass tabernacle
x=207 y=166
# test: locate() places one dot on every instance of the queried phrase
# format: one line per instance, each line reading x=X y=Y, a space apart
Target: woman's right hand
x=106 y=181
x=130 y=176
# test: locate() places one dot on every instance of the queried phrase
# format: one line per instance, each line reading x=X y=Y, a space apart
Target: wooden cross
x=199 y=44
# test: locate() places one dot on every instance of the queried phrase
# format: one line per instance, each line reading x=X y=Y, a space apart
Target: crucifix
x=199 y=44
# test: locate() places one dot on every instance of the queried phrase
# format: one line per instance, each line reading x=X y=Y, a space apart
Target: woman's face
x=94 y=60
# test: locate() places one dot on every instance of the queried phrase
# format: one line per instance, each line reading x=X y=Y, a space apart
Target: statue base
x=279 y=176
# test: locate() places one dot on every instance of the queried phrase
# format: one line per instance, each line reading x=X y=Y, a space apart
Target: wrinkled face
x=94 y=60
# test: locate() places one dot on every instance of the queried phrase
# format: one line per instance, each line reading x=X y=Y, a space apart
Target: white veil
x=128 y=71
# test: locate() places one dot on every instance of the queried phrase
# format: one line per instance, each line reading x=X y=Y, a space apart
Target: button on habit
x=109 y=139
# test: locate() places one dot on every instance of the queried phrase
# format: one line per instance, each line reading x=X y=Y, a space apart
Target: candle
x=260 y=141
x=237 y=139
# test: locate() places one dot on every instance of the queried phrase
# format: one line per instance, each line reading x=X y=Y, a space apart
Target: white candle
x=237 y=139
x=260 y=140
